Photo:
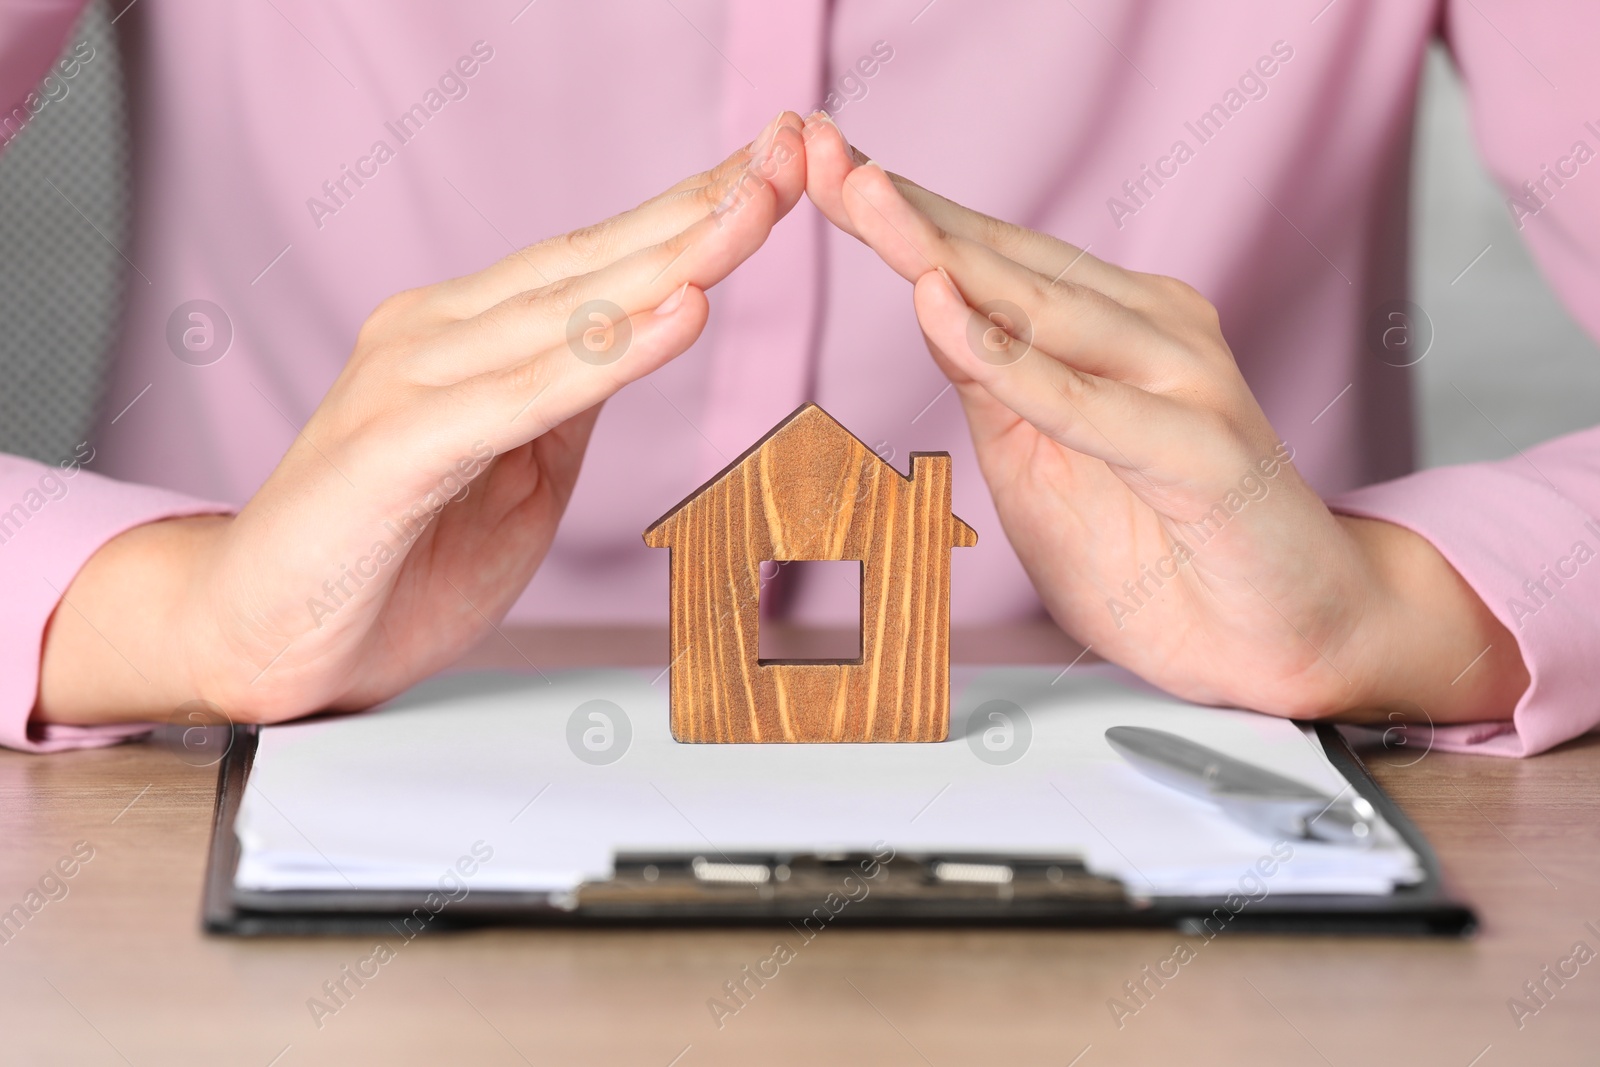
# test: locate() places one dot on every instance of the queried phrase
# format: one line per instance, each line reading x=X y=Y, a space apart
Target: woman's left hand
x=1158 y=514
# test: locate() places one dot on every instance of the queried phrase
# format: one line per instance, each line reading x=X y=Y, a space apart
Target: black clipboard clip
x=787 y=884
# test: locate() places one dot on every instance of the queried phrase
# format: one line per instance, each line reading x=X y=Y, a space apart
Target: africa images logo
x=999 y=732
x=199 y=332
x=599 y=732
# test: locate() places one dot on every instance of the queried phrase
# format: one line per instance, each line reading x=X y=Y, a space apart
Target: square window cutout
x=834 y=585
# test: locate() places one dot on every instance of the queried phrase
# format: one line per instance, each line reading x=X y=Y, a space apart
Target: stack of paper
x=533 y=783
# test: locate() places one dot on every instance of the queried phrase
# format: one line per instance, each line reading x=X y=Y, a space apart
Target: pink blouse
x=298 y=161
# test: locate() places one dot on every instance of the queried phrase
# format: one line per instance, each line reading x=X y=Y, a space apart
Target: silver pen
x=1252 y=796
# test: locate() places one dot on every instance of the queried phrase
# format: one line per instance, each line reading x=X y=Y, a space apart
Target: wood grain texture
x=810 y=490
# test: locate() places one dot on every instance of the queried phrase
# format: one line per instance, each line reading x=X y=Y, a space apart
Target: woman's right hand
x=424 y=491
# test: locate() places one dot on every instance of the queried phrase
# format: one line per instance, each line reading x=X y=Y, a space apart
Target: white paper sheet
x=395 y=797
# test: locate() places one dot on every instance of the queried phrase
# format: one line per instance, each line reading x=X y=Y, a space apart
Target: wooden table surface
x=117 y=971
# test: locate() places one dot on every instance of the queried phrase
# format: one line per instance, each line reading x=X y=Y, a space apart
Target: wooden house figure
x=810 y=490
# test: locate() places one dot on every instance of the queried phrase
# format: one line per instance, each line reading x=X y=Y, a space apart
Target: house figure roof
x=805 y=442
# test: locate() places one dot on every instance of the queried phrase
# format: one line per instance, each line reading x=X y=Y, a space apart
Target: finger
x=548 y=318
x=783 y=166
x=515 y=404
x=777 y=156
x=1070 y=321
x=830 y=160
x=1128 y=428
x=1054 y=259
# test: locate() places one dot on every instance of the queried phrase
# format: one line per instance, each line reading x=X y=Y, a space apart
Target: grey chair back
x=64 y=213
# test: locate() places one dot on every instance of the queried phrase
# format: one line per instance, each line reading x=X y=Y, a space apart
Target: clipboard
x=803 y=890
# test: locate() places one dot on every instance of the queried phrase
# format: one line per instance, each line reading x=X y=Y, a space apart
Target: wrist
x=123 y=644
x=1426 y=645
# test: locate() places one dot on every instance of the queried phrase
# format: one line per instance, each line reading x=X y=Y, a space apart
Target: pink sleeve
x=1524 y=532
x=31 y=37
x=51 y=521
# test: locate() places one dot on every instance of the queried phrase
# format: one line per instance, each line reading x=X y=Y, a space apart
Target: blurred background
x=1502 y=340
x=1508 y=367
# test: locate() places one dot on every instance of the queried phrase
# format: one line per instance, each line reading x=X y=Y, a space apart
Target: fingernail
x=949 y=282
x=760 y=162
x=819 y=120
x=673 y=302
x=768 y=133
